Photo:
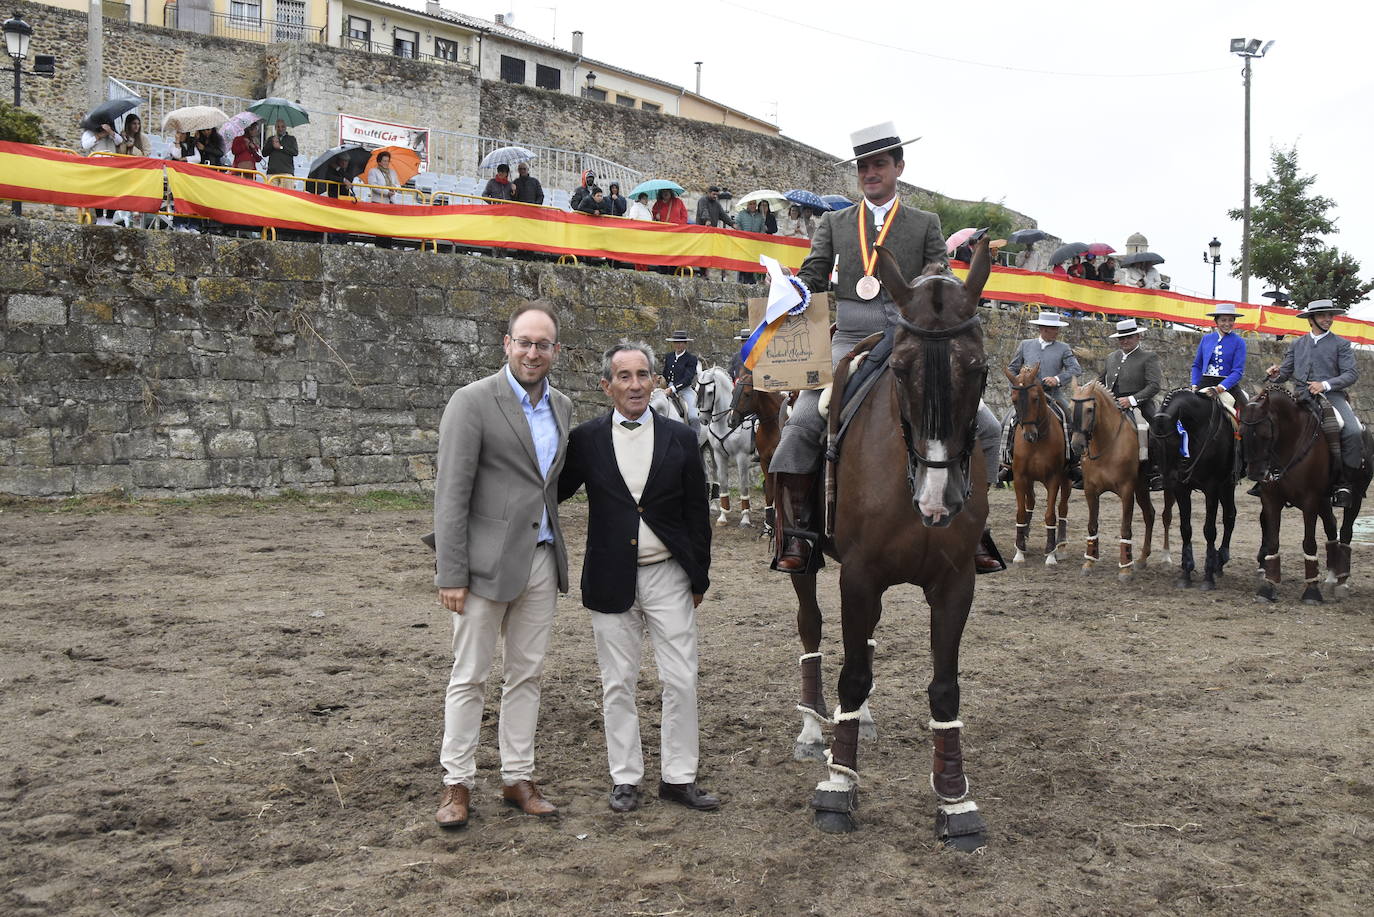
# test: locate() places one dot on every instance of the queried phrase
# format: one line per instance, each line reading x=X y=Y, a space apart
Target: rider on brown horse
x=1058 y=367
x=1134 y=378
x=862 y=305
x=1324 y=364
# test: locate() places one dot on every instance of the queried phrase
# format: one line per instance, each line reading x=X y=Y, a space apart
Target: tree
x=19 y=125
x=956 y=215
x=1328 y=273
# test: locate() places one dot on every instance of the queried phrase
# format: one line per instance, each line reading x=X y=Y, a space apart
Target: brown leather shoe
x=524 y=795
x=453 y=806
x=795 y=554
x=984 y=560
x=689 y=795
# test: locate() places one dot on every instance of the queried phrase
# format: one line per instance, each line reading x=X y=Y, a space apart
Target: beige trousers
x=663 y=607
x=526 y=623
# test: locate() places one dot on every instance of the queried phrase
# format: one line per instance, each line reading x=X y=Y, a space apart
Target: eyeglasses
x=541 y=346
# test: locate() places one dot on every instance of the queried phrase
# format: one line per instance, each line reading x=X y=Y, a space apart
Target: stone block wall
x=166 y=364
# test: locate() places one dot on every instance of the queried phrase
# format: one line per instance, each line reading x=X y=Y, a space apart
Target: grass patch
x=117 y=501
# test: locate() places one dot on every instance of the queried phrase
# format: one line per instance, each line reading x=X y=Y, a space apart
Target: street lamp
x=1249 y=49
x=591 y=84
x=17 y=35
x=1213 y=257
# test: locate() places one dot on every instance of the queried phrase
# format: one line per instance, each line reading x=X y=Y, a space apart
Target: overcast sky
x=1096 y=120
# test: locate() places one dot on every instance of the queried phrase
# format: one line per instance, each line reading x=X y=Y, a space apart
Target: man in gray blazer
x=1134 y=377
x=1056 y=360
x=860 y=301
x=500 y=555
x=1325 y=364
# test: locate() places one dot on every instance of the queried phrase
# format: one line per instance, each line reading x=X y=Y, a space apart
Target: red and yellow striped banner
x=231 y=199
x=47 y=176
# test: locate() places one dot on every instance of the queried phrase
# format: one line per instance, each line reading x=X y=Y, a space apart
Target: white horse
x=729 y=445
x=661 y=404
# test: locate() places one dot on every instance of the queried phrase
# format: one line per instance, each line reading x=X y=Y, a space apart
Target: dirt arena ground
x=235 y=708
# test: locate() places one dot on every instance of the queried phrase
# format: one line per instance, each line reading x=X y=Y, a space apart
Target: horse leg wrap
x=1050 y=543
x=1126 y=559
x=947 y=772
x=843 y=759
x=1063 y=531
x=1021 y=528
x=812 y=696
x=1090 y=553
x=1272 y=573
x=724 y=502
x=1309 y=568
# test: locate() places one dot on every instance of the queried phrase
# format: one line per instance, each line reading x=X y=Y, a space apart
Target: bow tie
x=631 y=424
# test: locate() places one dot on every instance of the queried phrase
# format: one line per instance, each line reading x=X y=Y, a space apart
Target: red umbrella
x=1100 y=248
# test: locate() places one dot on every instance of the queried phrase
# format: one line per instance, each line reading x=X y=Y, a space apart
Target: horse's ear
x=1035 y=370
x=1011 y=377
x=891 y=276
x=978 y=271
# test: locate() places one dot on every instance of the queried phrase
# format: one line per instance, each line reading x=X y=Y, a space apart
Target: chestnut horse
x=770 y=410
x=1286 y=452
x=1041 y=456
x=1106 y=438
x=910 y=508
x=1207 y=467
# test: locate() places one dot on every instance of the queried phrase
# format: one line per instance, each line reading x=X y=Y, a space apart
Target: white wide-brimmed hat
x=1223 y=309
x=1320 y=305
x=743 y=334
x=874 y=140
x=1049 y=320
x=1125 y=328
x=678 y=337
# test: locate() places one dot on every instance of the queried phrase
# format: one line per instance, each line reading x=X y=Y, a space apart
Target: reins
x=1088 y=432
x=1273 y=475
x=1214 y=423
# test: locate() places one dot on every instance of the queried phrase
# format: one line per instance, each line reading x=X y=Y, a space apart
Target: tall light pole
x=1213 y=257
x=17 y=35
x=1248 y=48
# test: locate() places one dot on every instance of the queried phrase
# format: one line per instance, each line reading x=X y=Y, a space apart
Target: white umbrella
x=193 y=118
x=506 y=156
x=237 y=125
x=776 y=202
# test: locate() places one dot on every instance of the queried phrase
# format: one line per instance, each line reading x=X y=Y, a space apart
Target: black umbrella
x=1065 y=252
x=356 y=161
x=1142 y=258
x=1279 y=297
x=1028 y=236
x=108 y=113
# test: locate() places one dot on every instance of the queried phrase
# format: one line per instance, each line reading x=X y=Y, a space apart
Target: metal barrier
x=244 y=26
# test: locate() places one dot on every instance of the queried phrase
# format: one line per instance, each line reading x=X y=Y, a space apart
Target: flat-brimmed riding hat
x=1224 y=309
x=1049 y=320
x=743 y=334
x=678 y=337
x=1320 y=305
x=1126 y=328
x=874 y=140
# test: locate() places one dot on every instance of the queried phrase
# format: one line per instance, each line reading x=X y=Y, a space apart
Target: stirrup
x=814 y=557
x=1342 y=497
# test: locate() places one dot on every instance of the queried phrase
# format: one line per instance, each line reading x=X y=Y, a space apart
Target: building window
x=650 y=106
x=246 y=11
x=625 y=101
x=446 y=49
x=360 y=29
x=548 y=77
x=512 y=70
x=290 y=20
x=596 y=95
x=405 y=42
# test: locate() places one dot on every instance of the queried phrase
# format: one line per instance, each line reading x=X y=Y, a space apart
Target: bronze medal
x=868 y=287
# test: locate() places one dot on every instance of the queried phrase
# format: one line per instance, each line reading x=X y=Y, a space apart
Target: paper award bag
x=798 y=356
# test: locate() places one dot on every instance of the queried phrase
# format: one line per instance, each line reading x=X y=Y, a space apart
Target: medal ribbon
x=871 y=257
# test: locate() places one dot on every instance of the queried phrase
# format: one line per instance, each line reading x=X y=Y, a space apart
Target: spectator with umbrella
x=668 y=208
x=210 y=146
x=499 y=187
x=1139 y=271
x=247 y=154
x=639 y=208
x=527 y=187
x=98 y=135
x=135 y=143
x=281 y=148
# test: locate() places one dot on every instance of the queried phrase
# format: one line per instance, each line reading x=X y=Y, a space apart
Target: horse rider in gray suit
x=914 y=237
x=500 y=555
x=1324 y=363
x=1134 y=377
x=1058 y=367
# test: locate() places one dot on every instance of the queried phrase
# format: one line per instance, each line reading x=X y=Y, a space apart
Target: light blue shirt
x=544 y=432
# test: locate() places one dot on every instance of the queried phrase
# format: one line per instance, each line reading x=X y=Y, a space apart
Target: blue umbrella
x=807 y=199
x=837 y=201
x=653 y=186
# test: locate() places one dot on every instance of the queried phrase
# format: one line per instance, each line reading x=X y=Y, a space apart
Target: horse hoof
x=1341 y=591
x=1086 y=569
x=868 y=732
x=1125 y=577
x=1019 y=558
x=1208 y=586
x=1142 y=562
x=808 y=751
x=963 y=831
x=836 y=822
x=746 y=524
x=1051 y=560
x=1312 y=595
x=1183 y=583
x=1267 y=593
x=1168 y=559
x=1330 y=578
x=722 y=521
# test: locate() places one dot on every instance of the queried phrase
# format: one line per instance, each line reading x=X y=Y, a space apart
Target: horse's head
x=1164 y=427
x=742 y=399
x=939 y=368
x=1027 y=401
x=1083 y=420
x=1259 y=433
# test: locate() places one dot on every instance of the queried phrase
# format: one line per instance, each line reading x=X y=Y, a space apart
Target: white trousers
x=526 y=623
x=663 y=606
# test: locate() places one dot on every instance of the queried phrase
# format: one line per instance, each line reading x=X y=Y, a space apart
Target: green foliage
x=956 y=215
x=1329 y=273
x=20 y=125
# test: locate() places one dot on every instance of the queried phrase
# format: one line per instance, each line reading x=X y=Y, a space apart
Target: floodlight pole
x=1245 y=221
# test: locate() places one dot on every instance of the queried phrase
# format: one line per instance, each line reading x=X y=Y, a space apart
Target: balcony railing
x=354 y=43
x=244 y=28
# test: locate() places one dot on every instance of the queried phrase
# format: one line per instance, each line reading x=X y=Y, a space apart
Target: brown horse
x=769 y=407
x=1286 y=452
x=907 y=511
x=1040 y=456
x=1106 y=438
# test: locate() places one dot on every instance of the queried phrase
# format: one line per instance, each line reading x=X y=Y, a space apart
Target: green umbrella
x=270 y=109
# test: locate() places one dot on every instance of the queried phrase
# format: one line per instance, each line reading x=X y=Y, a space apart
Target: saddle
x=855 y=376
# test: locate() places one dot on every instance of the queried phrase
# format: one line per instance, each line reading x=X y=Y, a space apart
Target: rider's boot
x=795 y=503
x=1076 y=471
x=1331 y=429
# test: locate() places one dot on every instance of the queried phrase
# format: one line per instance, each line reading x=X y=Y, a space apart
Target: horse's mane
x=1170 y=397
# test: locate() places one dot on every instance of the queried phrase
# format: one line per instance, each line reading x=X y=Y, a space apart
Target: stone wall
x=147 y=53
x=163 y=364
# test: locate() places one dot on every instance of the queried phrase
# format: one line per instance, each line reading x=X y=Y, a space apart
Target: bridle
x=1088 y=429
x=1021 y=401
x=1194 y=462
x=1273 y=473
x=707 y=405
x=914 y=459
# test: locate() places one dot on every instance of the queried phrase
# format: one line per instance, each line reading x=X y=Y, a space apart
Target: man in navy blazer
x=645 y=568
